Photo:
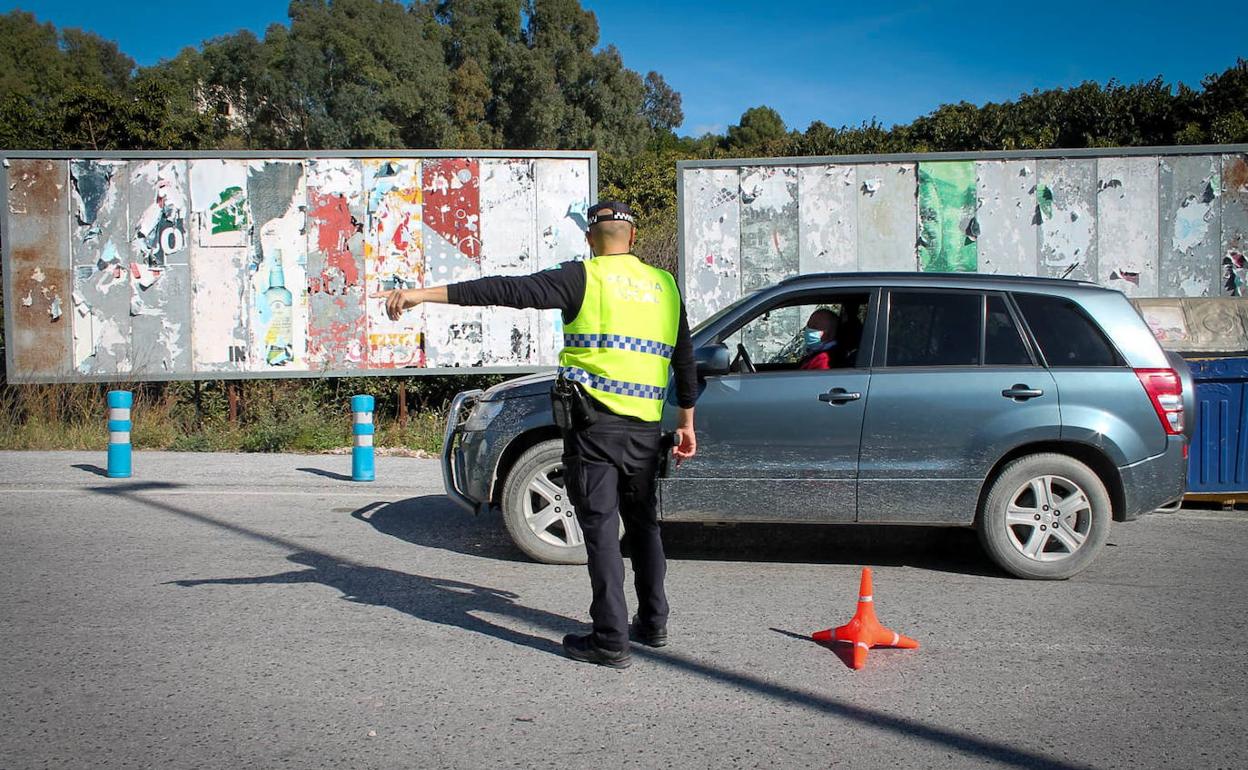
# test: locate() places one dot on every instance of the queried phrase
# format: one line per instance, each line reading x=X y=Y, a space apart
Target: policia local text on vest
x=624 y=331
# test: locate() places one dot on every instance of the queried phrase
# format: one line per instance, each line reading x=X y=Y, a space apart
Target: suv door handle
x=1021 y=392
x=838 y=396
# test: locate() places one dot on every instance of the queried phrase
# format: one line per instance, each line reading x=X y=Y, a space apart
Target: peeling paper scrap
x=54 y=309
x=28 y=300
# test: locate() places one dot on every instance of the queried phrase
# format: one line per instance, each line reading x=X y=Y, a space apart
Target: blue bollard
x=363 y=467
x=119 y=403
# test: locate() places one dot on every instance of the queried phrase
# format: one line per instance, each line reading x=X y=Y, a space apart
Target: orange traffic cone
x=865 y=631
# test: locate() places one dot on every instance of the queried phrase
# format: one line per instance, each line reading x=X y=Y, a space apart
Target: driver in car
x=819 y=337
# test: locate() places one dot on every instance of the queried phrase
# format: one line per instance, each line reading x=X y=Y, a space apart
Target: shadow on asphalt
x=451 y=603
x=126 y=488
x=326 y=474
x=89 y=468
x=843 y=651
x=433 y=521
x=444 y=602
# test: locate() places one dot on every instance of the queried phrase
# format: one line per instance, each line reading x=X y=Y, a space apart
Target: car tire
x=539 y=517
x=1022 y=525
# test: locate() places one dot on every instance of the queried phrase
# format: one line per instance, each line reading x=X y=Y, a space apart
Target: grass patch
x=275 y=415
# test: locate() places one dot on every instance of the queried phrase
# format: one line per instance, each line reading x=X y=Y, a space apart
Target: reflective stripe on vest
x=620 y=387
x=618 y=341
x=620 y=344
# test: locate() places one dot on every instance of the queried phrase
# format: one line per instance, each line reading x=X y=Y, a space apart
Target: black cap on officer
x=610 y=211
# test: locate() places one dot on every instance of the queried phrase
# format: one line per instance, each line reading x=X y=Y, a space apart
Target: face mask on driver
x=812 y=337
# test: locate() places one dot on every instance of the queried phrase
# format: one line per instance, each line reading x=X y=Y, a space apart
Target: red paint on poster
x=343 y=340
x=452 y=202
x=334 y=227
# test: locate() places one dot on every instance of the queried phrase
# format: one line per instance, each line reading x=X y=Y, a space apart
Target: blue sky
x=839 y=62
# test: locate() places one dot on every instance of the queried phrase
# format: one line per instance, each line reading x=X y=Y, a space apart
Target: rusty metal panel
x=220 y=248
x=1127 y=225
x=508 y=247
x=948 y=229
x=336 y=212
x=160 y=268
x=39 y=248
x=100 y=248
x=712 y=228
x=1009 y=230
x=769 y=250
x=828 y=219
x=1191 y=226
x=1235 y=225
x=562 y=191
x=1066 y=207
x=887 y=217
x=394 y=259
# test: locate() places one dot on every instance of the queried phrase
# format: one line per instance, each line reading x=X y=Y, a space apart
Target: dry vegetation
x=273 y=415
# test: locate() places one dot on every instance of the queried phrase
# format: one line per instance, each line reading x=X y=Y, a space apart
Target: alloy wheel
x=547 y=510
x=1048 y=518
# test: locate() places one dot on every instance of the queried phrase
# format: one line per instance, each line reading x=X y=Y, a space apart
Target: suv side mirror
x=712 y=359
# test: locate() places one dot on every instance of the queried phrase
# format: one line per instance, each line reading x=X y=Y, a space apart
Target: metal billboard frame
x=920 y=157
x=11 y=375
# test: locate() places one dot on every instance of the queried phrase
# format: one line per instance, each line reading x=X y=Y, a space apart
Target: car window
x=1065 y=333
x=1003 y=343
x=774 y=339
x=934 y=328
x=768 y=338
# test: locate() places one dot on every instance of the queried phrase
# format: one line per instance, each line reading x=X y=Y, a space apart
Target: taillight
x=1165 y=390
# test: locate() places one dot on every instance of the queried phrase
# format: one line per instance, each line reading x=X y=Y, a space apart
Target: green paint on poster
x=229 y=215
x=1044 y=203
x=947 y=226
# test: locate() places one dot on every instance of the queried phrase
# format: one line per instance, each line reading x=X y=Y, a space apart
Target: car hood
x=521 y=387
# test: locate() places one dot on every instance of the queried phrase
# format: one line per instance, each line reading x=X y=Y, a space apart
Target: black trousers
x=611 y=472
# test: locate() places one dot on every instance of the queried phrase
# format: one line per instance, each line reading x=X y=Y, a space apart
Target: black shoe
x=651 y=637
x=583 y=648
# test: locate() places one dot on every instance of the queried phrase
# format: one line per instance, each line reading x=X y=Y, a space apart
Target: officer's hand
x=399 y=300
x=686 y=445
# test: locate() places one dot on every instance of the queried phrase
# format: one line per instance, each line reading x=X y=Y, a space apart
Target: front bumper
x=452 y=453
x=1152 y=483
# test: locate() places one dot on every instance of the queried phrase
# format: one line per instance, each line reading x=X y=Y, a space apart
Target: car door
x=955 y=387
x=774 y=445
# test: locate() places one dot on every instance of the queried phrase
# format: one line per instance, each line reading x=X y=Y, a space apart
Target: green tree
x=757 y=127
x=1223 y=105
x=32 y=65
x=92 y=60
x=661 y=106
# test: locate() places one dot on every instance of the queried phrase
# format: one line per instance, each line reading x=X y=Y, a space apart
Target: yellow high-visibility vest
x=619 y=346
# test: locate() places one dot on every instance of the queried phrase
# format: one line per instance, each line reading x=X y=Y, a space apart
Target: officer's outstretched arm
x=399 y=300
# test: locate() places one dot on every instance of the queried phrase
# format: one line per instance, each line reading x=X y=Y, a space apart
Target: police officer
x=624 y=332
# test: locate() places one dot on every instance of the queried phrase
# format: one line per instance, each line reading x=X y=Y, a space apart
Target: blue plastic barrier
x=119 y=403
x=362 y=462
x=1219 y=453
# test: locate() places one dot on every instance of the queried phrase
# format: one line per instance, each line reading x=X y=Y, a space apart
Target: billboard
x=1151 y=222
x=164 y=266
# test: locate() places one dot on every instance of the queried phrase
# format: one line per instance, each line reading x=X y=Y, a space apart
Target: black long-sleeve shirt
x=563 y=288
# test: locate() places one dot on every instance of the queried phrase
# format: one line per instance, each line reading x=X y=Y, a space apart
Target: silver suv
x=1036 y=410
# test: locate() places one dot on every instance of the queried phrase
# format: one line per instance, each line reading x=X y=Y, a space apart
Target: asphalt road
x=264 y=611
